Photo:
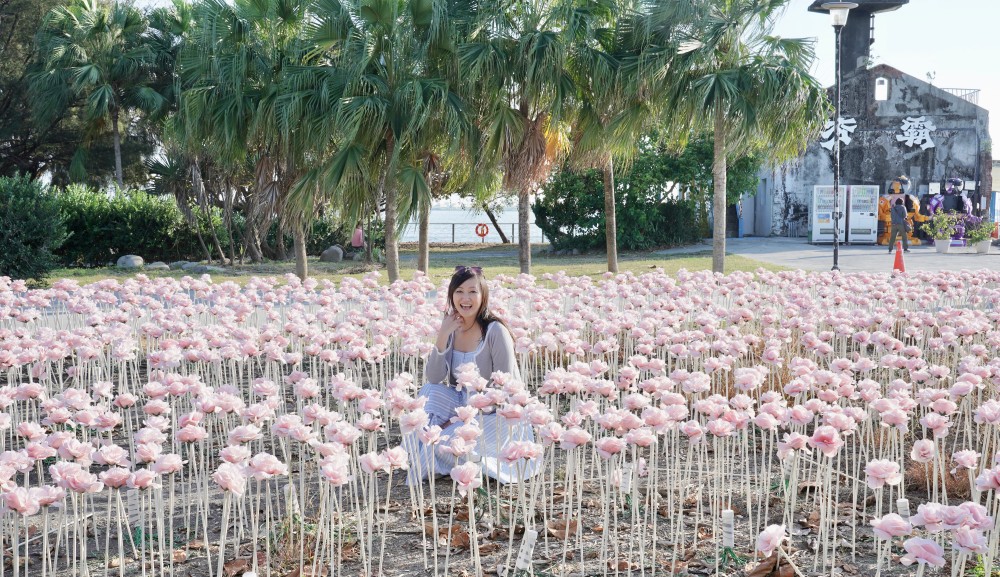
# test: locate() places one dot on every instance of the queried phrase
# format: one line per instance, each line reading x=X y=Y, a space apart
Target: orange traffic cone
x=898 y=265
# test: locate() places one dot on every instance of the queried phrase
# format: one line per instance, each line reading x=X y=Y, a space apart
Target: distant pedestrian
x=897 y=221
x=358 y=240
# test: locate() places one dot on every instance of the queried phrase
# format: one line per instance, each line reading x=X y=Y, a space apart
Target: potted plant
x=941 y=227
x=978 y=231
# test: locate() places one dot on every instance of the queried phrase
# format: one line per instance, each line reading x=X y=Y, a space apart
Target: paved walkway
x=796 y=253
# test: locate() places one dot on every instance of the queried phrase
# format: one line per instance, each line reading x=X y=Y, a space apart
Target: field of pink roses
x=753 y=424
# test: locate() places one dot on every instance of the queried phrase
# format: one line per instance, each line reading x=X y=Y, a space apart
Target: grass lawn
x=494 y=258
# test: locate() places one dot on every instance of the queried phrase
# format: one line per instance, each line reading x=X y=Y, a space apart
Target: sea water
x=444 y=220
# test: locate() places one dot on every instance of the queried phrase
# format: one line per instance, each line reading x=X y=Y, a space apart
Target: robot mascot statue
x=898 y=189
x=951 y=201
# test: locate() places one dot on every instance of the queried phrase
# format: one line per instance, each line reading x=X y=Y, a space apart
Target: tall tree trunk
x=280 y=249
x=719 y=199
x=523 y=232
x=251 y=241
x=496 y=225
x=227 y=219
x=118 y=146
x=301 y=264
x=610 y=220
x=391 y=244
x=423 y=238
x=201 y=241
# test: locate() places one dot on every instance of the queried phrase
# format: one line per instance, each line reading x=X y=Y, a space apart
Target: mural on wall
x=921 y=130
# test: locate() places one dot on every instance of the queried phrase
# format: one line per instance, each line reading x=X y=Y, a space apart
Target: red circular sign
x=482 y=230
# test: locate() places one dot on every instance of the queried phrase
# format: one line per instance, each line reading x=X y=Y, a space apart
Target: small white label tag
x=626 y=480
x=523 y=561
x=903 y=506
x=728 y=528
x=132 y=502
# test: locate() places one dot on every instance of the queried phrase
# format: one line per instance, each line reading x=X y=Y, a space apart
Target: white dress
x=442 y=400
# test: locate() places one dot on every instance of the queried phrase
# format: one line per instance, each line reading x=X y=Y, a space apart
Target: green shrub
x=31 y=227
x=104 y=227
x=571 y=214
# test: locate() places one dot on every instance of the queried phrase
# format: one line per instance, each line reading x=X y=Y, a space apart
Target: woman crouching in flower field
x=473 y=355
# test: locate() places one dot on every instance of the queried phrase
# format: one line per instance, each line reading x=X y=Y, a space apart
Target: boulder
x=178 y=264
x=190 y=266
x=215 y=270
x=332 y=254
x=358 y=256
x=576 y=252
x=158 y=265
x=129 y=261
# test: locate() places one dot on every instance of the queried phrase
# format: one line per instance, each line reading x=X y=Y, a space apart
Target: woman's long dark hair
x=485 y=316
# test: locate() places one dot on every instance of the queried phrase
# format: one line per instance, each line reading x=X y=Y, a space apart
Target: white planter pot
x=942 y=245
x=983 y=246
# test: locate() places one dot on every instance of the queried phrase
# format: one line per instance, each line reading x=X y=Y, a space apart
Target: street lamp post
x=838 y=14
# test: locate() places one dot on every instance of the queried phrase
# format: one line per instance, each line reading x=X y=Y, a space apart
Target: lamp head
x=838 y=11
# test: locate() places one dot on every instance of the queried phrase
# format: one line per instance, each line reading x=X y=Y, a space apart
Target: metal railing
x=468 y=230
x=967 y=94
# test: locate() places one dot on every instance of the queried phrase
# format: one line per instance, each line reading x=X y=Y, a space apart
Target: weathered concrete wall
x=875 y=156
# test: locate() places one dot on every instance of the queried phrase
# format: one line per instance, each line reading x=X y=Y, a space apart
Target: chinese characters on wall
x=914 y=131
x=917 y=131
x=845 y=128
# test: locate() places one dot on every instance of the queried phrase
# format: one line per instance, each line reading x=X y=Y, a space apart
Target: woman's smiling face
x=468 y=299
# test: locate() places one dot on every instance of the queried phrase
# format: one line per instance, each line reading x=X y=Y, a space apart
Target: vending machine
x=822 y=213
x=862 y=216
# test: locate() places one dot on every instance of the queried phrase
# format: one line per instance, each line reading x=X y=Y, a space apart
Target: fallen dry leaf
x=489 y=548
x=849 y=569
x=196 y=544
x=563 y=529
x=180 y=555
x=459 y=537
x=622 y=565
x=114 y=562
x=235 y=567
x=773 y=566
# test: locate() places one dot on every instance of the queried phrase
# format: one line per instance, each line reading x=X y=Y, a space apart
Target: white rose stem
x=417 y=493
x=226 y=504
x=317 y=556
x=991 y=551
x=473 y=537
x=16 y=546
x=161 y=529
x=254 y=515
x=385 y=522
x=513 y=511
x=203 y=505
x=434 y=518
x=451 y=521
x=45 y=539
x=633 y=490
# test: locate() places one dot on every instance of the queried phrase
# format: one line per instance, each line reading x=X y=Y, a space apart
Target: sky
x=958 y=41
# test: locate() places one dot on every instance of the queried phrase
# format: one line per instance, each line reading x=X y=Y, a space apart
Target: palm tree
x=234 y=71
x=613 y=111
x=515 y=57
x=728 y=74
x=99 y=52
x=375 y=57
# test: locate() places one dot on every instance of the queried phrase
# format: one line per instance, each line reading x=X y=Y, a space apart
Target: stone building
x=913 y=128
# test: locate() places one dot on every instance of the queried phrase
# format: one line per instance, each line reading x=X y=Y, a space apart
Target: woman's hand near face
x=449 y=324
